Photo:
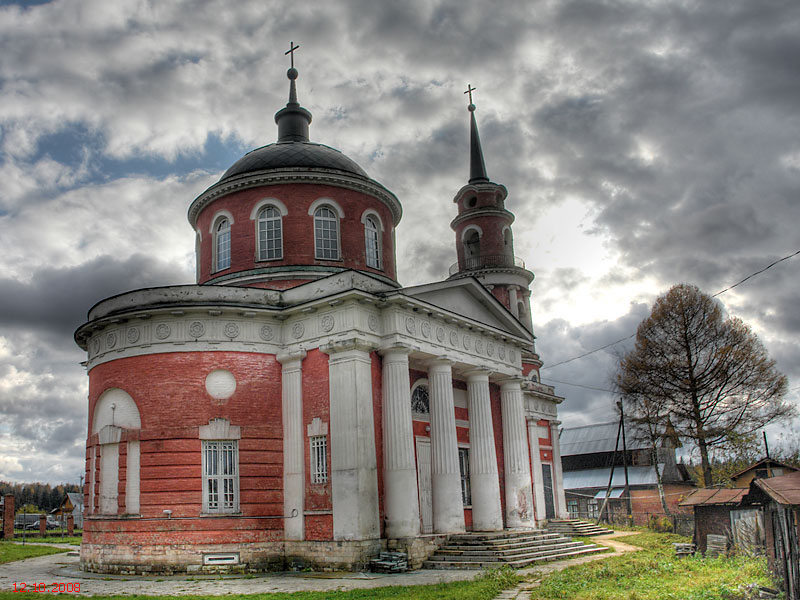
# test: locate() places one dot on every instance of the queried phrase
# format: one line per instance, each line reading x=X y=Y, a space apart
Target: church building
x=298 y=407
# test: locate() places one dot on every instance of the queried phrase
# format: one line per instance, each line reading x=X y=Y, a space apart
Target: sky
x=643 y=144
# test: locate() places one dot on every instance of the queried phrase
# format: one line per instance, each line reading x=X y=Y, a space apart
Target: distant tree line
x=37 y=497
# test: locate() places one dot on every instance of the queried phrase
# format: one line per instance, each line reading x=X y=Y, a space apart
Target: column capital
x=286 y=358
x=348 y=344
x=512 y=383
x=477 y=374
x=440 y=363
x=395 y=348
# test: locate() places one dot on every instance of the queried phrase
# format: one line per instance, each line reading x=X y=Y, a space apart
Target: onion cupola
x=293 y=211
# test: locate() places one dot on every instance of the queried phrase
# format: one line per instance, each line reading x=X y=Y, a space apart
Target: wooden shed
x=717 y=511
x=780 y=499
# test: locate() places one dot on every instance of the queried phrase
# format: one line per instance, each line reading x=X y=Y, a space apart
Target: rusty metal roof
x=784 y=489
x=710 y=496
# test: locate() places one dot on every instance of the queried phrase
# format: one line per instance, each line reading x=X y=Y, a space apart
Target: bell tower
x=484 y=241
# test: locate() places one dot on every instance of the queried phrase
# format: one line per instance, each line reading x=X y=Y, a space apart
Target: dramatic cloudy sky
x=642 y=143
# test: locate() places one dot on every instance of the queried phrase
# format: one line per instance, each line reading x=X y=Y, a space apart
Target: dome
x=293 y=154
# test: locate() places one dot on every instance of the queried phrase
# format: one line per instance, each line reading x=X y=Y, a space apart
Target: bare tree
x=710 y=375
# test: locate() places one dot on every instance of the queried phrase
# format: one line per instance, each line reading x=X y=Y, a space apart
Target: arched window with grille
x=373 y=242
x=222 y=244
x=326 y=234
x=270 y=233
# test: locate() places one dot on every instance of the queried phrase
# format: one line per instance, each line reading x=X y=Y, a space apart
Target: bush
x=659 y=524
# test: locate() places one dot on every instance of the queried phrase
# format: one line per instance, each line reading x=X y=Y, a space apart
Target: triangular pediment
x=468 y=298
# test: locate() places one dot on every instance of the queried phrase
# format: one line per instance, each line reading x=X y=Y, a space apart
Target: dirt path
x=523 y=590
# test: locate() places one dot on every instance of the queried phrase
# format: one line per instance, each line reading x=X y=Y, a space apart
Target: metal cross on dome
x=290 y=51
x=469 y=91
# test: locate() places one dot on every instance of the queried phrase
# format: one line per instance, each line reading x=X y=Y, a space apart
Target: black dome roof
x=294 y=154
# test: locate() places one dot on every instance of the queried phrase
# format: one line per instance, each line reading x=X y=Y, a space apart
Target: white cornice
x=296 y=175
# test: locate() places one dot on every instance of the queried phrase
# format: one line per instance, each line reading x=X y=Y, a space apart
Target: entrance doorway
x=424 y=484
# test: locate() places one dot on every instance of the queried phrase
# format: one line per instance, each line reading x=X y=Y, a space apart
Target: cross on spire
x=291 y=50
x=469 y=91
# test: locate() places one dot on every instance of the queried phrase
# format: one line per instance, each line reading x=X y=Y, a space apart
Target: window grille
x=326 y=234
x=319 y=459
x=463 y=464
x=223 y=241
x=221 y=476
x=372 y=236
x=270 y=235
x=572 y=508
x=420 y=402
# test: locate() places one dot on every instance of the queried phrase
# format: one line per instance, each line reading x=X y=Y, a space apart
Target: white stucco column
x=512 y=300
x=448 y=509
x=558 y=475
x=294 y=484
x=487 y=513
x=354 y=472
x=536 y=470
x=401 y=505
x=519 y=500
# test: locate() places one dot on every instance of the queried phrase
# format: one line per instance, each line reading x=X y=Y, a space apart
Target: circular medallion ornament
x=220 y=384
x=133 y=335
x=411 y=325
x=425 y=328
x=501 y=352
x=479 y=346
x=266 y=333
x=326 y=322
x=231 y=329
x=162 y=331
x=453 y=338
x=197 y=329
x=372 y=322
x=111 y=339
x=467 y=342
x=440 y=334
x=96 y=345
x=490 y=349
x=297 y=330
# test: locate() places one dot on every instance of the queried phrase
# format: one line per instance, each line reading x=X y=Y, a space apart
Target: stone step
x=509 y=546
x=533 y=539
x=461 y=564
x=507 y=555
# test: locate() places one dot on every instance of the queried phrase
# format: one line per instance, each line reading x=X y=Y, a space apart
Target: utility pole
x=625 y=461
x=611 y=476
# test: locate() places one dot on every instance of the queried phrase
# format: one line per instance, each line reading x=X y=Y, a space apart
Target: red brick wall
x=497 y=422
x=298 y=229
x=169 y=391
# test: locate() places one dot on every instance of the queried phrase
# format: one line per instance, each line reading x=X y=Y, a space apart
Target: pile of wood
x=389 y=562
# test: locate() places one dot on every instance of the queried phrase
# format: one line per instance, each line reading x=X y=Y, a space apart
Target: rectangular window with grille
x=319 y=459
x=463 y=463
x=220 y=476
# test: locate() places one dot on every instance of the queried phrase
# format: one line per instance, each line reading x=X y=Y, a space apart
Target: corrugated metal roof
x=590 y=439
x=714 y=496
x=784 y=489
x=598 y=478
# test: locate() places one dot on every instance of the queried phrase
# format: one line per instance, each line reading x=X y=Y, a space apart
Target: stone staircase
x=576 y=527
x=479 y=550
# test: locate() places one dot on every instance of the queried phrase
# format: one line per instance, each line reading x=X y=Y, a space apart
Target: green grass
x=75 y=540
x=484 y=587
x=10 y=552
x=655 y=574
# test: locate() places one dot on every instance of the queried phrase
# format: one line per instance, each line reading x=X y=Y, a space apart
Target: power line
x=586 y=387
x=563 y=362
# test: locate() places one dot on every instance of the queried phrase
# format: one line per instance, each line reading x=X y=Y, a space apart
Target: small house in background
x=71 y=504
x=717 y=511
x=766 y=467
x=587 y=454
x=779 y=499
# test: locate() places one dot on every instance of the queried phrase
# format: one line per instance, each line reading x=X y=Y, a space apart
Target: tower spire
x=293 y=120
x=477 y=167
